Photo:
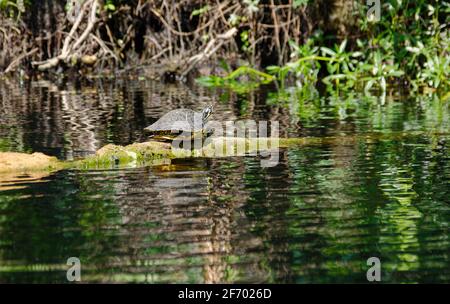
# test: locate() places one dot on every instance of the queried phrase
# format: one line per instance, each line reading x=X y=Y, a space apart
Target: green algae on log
x=156 y=153
x=137 y=154
x=140 y=154
x=149 y=153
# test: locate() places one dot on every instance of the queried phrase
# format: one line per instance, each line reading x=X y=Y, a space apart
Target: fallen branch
x=68 y=49
x=105 y=48
x=77 y=22
x=16 y=61
x=90 y=26
x=212 y=47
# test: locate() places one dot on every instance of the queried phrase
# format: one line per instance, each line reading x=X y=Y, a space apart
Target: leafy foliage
x=409 y=45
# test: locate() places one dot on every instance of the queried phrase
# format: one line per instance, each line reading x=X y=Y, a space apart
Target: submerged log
x=142 y=154
x=152 y=152
x=148 y=153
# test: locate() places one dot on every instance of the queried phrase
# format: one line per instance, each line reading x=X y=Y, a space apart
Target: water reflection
x=70 y=121
x=315 y=217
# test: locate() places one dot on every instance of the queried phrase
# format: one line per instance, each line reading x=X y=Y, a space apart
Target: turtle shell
x=174 y=123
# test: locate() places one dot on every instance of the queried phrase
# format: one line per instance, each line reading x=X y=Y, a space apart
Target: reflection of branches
x=174 y=215
x=74 y=122
x=61 y=118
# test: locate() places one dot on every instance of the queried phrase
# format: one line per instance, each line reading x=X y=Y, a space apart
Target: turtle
x=180 y=121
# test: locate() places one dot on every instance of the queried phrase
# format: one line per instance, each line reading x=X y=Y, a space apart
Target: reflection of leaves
x=243 y=79
x=397 y=183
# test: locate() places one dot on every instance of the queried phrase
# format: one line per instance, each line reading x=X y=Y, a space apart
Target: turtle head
x=206 y=113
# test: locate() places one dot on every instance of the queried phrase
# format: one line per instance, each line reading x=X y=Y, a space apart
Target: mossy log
x=153 y=153
x=143 y=154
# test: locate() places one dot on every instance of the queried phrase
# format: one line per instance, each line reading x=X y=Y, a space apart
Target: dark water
x=379 y=186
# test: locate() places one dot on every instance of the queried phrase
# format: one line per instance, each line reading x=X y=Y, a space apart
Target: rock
x=22 y=162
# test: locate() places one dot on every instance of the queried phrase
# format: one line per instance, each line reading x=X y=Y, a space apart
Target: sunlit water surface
x=378 y=186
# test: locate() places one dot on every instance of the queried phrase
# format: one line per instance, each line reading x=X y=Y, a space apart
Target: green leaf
x=224 y=65
x=298 y=3
x=200 y=11
x=369 y=85
x=383 y=83
x=110 y=7
x=328 y=79
x=273 y=69
x=396 y=73
x=209 y=81
x=328 y=51
x=342 y=46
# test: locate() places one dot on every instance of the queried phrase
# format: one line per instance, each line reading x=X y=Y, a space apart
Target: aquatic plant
x=401 y=49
